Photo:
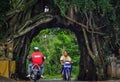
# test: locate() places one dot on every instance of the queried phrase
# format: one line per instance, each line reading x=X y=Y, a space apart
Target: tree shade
x=95 y=24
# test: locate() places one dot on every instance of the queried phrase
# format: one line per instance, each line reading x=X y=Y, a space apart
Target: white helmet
x=36 y=49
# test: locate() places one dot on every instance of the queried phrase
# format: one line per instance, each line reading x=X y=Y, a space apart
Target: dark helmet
x=36 y=49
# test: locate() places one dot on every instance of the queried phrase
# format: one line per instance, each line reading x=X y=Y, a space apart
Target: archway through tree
x=85 y=61
x=51 y=42
x=94 y=23
x=26 y=20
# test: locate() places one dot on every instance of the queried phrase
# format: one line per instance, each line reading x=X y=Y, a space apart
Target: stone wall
x=118 y=69
x=113 y=69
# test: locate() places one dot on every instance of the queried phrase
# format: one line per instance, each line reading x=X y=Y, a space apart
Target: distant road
x=3 y=79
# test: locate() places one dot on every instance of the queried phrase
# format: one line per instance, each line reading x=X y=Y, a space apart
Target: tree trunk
x=87 y=70
x=20 y=53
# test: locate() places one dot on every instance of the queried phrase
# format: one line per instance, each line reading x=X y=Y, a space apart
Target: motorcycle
x=35 y=72
x=67 y=70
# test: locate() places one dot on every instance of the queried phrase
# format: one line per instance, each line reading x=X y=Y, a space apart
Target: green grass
x=52 y=76
x=75 y=72
x=57 y=76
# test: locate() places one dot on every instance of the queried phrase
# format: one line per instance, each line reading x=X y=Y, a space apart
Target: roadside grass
x=54 y=77
x=75 y=72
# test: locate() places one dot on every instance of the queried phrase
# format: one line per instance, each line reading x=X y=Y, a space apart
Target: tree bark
x=88 y=69
x=24 y=25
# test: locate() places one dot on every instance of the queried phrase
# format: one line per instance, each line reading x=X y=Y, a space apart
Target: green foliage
x=106 y=47
x=103 y=6
x=51 y=42
x=102 y=10
x=15 y=3
x=22 y=4
x=85 y=5
x=106 y=7
x=4 y=6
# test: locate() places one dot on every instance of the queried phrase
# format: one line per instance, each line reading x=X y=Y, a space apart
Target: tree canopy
x=99 y=17
x=95 y=24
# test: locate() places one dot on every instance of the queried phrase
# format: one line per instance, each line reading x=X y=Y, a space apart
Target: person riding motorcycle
x=65 y=58
x=37 y=57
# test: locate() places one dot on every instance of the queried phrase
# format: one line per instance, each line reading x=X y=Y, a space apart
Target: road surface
x=3 y=79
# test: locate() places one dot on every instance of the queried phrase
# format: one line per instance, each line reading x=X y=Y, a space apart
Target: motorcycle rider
x=65 y=57
x=36 y=57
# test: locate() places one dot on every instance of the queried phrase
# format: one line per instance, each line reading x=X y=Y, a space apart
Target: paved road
x=58 y=81
x=3 y=79
x=50 y=80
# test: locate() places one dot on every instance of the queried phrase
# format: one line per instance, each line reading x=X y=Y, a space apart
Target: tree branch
x=29 y=28
x=33 y=20
x=82 y=25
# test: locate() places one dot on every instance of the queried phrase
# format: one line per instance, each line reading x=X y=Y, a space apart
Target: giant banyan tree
x=93 y=22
